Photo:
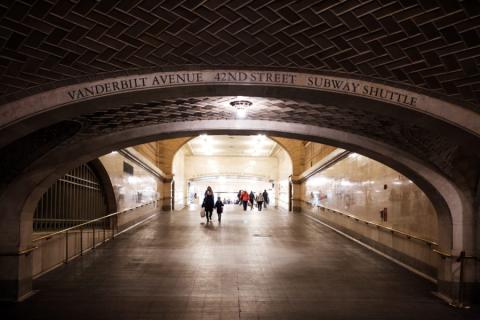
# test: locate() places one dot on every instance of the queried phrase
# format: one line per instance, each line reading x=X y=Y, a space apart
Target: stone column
x=15 y=259
x=275 y=195
x=165 y=191
x=456 y=280
x=449 y=279
x=296 y=194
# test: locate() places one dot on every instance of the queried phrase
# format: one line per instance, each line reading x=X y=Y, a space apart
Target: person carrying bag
x=208 y=203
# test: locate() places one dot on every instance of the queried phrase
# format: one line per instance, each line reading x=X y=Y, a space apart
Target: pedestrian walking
x=259 y=199
x=245 y=197
x=265 y=199
x=208 y=203
x=219 y=207
x=251 y=198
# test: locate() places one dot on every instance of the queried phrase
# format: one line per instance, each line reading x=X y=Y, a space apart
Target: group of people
x=245 y=198
x=209 y=203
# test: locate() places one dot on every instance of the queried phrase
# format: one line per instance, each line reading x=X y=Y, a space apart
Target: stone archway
x=295 y=112
x=451 y=228
x=282 y=145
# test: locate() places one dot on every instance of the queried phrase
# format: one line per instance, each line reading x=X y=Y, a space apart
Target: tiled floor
x=267 y=265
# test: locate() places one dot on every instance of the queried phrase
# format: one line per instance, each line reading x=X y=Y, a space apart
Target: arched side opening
x=77 y=197
x=449 y=198
x=227 y=162
x=290 y=130
x=83 y=194
x=430 y=163
x=105 y=183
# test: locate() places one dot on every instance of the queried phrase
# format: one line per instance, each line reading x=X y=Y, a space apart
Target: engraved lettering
x=318 y=82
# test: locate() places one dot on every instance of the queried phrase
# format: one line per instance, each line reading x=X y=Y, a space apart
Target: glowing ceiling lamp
x=241 y=107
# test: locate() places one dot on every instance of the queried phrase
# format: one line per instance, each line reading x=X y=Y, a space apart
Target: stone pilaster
x=15 y=259
x=165 y=191
x=296 y=194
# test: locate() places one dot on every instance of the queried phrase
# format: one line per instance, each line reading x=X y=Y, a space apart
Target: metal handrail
x=19 y=253
x=458 y=302
x=449 y=255
x=443 y=254
x=379 y=226
x=48 y=236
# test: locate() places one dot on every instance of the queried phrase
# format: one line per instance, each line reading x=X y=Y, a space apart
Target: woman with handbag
x=208 y=203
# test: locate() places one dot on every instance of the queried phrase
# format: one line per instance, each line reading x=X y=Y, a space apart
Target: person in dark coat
x=265 y=198
x=208 y=203
x=219 y=207
x=251 y=199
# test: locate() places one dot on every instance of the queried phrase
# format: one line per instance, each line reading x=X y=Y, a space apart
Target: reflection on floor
x=255 y=265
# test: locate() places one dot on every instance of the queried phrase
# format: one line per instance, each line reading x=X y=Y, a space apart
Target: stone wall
x=134 y=189
x=359 y=190
x=282 y=179
x=180 y=191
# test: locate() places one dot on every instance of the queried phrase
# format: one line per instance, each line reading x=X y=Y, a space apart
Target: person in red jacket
x=245 y=198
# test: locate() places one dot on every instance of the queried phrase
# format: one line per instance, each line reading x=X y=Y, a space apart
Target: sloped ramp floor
x=267 y=265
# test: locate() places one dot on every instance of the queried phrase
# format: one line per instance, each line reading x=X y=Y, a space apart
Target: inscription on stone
x=362 y=89
x=316 y=82
x=255 y=77
x=176 y=78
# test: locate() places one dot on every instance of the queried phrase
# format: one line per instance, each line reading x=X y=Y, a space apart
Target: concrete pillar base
x=449 y=281
x=296 y=195
x=165 y=190
x=15 y=277
x=295 y=208
x=450 y=290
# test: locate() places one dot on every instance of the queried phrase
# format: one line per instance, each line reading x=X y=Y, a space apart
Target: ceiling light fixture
x=241 y=107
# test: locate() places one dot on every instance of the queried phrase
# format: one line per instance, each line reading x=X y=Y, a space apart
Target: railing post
x=81 y=241
x=114 y=229
x=112 y=224
x=66 y=246
x=460 y=259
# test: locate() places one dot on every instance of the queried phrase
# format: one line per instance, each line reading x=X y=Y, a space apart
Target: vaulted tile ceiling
x=222 y=145
x=432 y=146
x=434 y=45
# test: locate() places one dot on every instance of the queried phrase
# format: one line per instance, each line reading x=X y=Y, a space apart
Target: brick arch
x=427 y=141
x=290 y=154
x=292 y=147
x=178 y=143
x=165 y=151
x=22 y=116
x=105 y=115
x=450 y=203
x=420 y=129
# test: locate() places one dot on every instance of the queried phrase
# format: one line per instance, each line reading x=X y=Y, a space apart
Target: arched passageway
x=229 y=164
x=418 y=135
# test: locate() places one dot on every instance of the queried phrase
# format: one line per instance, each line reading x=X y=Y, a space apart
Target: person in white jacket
x=259 y=200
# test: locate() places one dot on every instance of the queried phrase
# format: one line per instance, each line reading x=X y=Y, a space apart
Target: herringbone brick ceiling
x=434 y=44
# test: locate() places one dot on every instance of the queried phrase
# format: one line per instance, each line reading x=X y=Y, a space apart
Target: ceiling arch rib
x=429 y=180
x=422 y=142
